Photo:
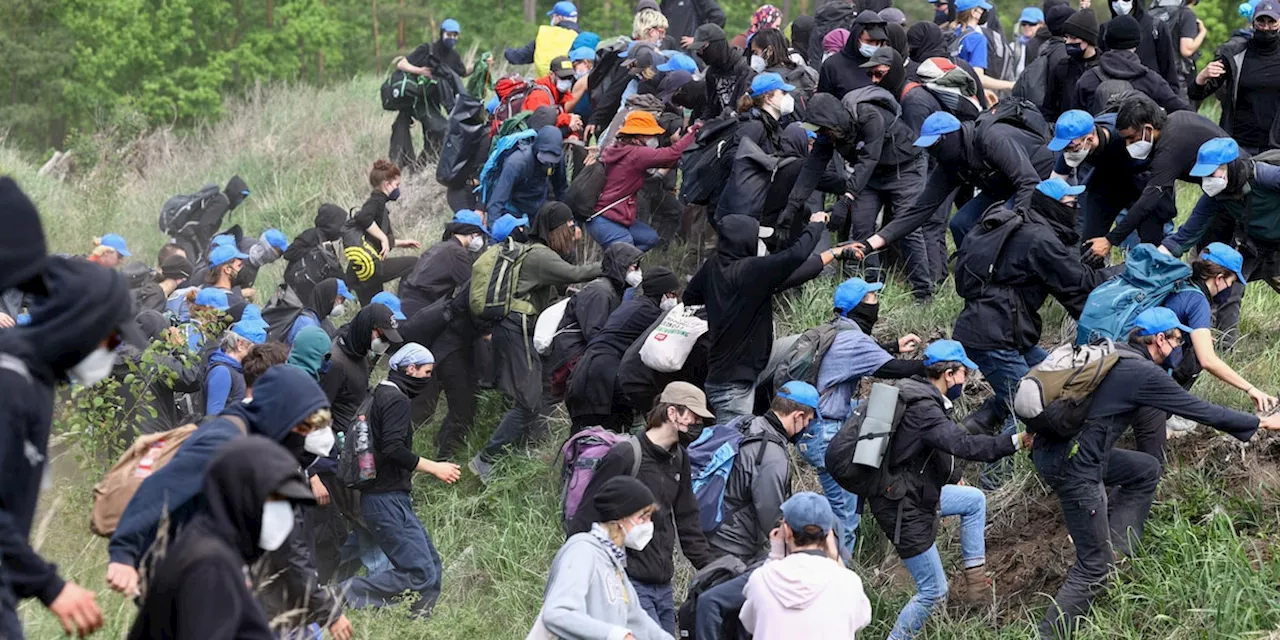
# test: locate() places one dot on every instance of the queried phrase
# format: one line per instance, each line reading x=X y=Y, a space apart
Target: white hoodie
x=804 y=596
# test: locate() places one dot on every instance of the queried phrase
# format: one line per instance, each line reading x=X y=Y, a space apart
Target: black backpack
x=468 y=127
x=280 y=312
x=1034 y=81
x=319 y=263
x=983 y=248
x=705 y=166
x=863 y=480
x=584 y=192
x=1016 y=112
x=1107 y=90
x=404 y=91
x=713 y=575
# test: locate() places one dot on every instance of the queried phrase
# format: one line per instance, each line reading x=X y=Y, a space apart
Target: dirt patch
x=1028 y=552
x=1253 y=467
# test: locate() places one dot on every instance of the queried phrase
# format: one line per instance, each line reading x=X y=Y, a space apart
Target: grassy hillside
x=1209 y=566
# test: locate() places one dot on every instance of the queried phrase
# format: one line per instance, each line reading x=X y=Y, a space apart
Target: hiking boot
x=482 y=469
x=975 y=588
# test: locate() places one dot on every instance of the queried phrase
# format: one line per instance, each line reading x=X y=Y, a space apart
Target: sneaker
x=1177 y=426
x=482 y=469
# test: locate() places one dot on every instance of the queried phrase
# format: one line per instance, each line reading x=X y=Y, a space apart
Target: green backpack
x=493 y=282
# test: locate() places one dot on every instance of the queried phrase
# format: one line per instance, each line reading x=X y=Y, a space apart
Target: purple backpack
x=582 y=453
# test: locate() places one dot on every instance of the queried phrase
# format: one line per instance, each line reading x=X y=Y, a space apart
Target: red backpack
x=512 y=91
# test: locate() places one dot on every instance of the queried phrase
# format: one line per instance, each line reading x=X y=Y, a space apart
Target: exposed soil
x=1028 y=551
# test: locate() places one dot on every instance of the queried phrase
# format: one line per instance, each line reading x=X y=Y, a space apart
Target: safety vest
x=551 y=43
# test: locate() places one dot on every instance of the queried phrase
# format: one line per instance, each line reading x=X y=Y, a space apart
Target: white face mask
x=867 y=50
x=578 y=75
x=277 y=523
x=652 y=143
x=634 y=278
x=337 y=310
x=1075 y=158
x=476 y=244
x=668 y=304
x=320 y=442
x=788 y=105
x=758 y=64
x=564 y=85
x=1141 y=149
x=95 y=367
x=378 y=346
x=1213 y=185
x=1122 y=7
x=638 y=537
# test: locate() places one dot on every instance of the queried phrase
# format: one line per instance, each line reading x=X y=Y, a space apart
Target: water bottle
x=364 y=452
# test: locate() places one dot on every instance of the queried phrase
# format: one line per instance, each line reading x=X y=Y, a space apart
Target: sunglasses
x=879 y=74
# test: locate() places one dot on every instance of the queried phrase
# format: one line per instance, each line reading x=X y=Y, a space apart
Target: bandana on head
x=764 y=18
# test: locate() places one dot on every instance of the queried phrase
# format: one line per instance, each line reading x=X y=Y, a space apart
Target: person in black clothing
x=250 y=491
x=663 y=466
x=592 y=396
x=153 y=409
x=446 y=265
x=685 y=16
x=843 y=72
x=368 y=237
x=1105 y=492
x=1158 y=48
x=1094 y=154
x=1120 y=63
x=1080 y=55
x=1245 y=74
x=728 y=74
x=801 y=29
x=924 y=41
x=886 y=168
x=427 y=60
x=384 y=501
x=737 y=285
x=442 y=52
x=588 y=311
x=311 y=256
x=154 y=294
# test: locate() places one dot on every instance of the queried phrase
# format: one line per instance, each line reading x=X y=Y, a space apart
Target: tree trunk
x=804 y=7
x=377 y=51
x=271 y=13
x=530 y=11
x=400 y=28
x=320 y=66
x=786 y=12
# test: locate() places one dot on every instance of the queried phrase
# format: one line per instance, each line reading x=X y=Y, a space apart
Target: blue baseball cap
x=344 y=291
x=808 y=509
x=392 y=302
x=1071 y=125
x=1057 y=188
x=1158 y=320
x=936 y=126
x=564 y=10
x=451 y=26
x=223 y=254
x=471 y=217
x=503 y=226
x=1225 y=257
x=212 y=297
x=965 y=5
x=252 y=331
x=582 y=53
x=679 y=62
x=116 y=242
x=276 y=239
x=491 y=105
x=851 y=292
x=251 y=312
x=223 y=240
x=947 y=351
x=801 y=393
x=766 y=82
x=1031 y=15
x=1213 y=154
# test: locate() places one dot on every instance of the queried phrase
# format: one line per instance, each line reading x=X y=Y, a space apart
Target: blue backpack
x=711 y=459
x=493 y=166
x=1148 y=278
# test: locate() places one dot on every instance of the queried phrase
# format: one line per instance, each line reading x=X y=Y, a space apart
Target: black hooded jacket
x=1125 y=65
x=685 y=16
x=346 y=383
x=209 y=560
x=88 y=301
x=728 y=77
x=589 y=309
x=308 y=253
x=738 y=287
x=591 y=387
x=841 y=73
x=1159 y=49
x=438 y=272
x=1040 y=258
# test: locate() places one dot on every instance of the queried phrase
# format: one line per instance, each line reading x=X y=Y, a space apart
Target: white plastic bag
x=544 y=331
x=668 y=347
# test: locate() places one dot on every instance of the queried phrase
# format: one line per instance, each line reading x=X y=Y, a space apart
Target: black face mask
x=1075 y=51
x=1265 y=40
x=296 y=444
x=940 y=16
x=948 y=149
x=410 y=385
x=686 y=438
x=865 y=316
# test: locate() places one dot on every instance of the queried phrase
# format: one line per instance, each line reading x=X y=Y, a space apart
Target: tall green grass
x=1207 y=568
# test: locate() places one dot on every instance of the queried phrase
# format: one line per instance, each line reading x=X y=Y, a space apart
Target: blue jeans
x=607 y=232
x=970 y=503
x=659 y=601
x=968 y=215
x=1003 y=369
x=813 y=448
x=415 y=564
x=731 y=400
x=931 y=589
x=718 y=607
x=362 y=545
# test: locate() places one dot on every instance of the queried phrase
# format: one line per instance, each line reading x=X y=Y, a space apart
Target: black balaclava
x=1265 y=41
x=801 y=29
x=865 y=315
x=322 y=297
x=356 y=337
x=924 y=41
x=718 y=55
x=897 y=38
x=692 y=95
x=896 y=78
x=1061 y=217
x=410 y=385
x=949 y=148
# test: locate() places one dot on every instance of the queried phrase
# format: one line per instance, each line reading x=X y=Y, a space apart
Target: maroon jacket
x=625 y=172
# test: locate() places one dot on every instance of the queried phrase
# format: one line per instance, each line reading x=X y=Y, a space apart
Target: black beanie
x=176 y=267
x=1083 y=24
x=620 y=497
x=658 y=282
x=1055 y=18
x=550 y=217
x=24 y=249
x=1123 y=32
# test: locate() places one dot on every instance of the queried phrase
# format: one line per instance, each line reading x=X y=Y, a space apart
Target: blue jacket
x=223 y=384
x=524 y=185
x=283 y=397
x=852 y=356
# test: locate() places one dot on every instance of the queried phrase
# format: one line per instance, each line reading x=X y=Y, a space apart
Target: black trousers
x=388 y=270
x=456 y=377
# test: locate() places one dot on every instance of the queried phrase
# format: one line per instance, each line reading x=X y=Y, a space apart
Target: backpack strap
x=635 y=453
x=239 y=423
x=16 y=365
